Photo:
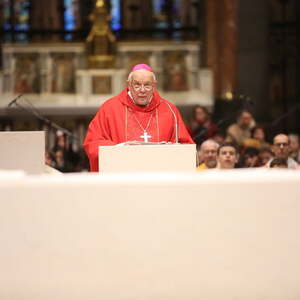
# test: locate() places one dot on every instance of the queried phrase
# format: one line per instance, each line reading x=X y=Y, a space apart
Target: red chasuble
x=120 y=120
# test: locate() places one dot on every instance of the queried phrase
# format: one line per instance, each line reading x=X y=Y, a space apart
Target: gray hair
x=209 y=141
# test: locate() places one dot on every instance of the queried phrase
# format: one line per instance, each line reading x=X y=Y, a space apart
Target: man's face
x=227 y=157
x=245 y=119
x=209 y=155
x=281 y=146
x=141 y=87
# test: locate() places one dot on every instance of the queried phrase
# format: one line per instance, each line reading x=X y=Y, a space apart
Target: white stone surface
x=211 y=235
x=22 y=150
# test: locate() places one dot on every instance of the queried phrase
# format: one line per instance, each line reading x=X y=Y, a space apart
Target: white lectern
x=148 y=158
x=22 y=150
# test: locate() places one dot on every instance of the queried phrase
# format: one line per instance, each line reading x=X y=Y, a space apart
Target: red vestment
x=119 y=120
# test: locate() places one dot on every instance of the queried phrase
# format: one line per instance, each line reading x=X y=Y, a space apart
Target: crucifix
x=145 y=136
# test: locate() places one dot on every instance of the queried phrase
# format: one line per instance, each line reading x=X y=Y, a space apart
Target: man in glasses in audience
x=138 y=114
x=281 y=149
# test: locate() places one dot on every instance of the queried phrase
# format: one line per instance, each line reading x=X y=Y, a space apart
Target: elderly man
x=281 y=149
x=208 y=155
x=137 y=114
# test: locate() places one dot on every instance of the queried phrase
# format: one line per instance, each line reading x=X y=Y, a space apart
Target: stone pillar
x=221 y=39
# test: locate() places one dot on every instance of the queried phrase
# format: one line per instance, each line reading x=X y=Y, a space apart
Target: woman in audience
x=202 y=128
x=257 y=139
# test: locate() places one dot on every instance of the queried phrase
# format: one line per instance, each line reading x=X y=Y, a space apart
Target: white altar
x=211 y=235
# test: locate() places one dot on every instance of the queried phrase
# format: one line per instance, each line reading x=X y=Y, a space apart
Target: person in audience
x=241 y=130
x=227 y=156
x=281 y=149
x=138 y=113
x=250 y=158
x=61 y=164
x=279 y=163
x=219 y=137
x=50 y=159
x=71 y=158
x=202 y=128
x=295 y=147
x=265 y=155
x=257 y=139
x=208 y=155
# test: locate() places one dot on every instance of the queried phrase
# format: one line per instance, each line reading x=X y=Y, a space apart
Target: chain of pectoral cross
x=145 y=136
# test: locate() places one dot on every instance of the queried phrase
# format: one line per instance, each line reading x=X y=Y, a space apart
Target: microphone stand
x=33 y=111
x=242 y=103
x=286 y=114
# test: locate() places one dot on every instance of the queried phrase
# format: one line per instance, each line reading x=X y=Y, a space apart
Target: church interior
x=210 y=212
x=223 y=55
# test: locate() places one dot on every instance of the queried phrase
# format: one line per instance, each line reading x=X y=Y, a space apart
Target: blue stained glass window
x=159 y=15
x=176 y=14
x=70 y=16
x=20 y=11
x=115 y=14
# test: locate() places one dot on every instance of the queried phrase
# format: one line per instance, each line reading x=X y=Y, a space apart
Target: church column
x=221 y=38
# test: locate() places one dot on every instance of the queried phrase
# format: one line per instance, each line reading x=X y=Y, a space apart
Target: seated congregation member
x=208 y=155
x=257 y=139
x=228 y=156
x=295 y=147
x=281 y=149
x=279 y=163
x=241 y=130
x=265 y=155
x=202 y=128
x=138 y=113
x=250 y=158
x=66 y=159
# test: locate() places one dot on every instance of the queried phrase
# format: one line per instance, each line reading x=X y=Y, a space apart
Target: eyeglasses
x=138 y=86
x=281 y=144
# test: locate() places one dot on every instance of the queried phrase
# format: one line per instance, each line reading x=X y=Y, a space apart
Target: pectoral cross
x=145 y=136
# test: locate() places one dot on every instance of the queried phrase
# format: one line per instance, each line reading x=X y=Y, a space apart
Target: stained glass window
x=115 y=14
x=71 y=17
x=21 y=14
x=159 y=14
x=176 y=13
x=167 y=16
x=16 y=18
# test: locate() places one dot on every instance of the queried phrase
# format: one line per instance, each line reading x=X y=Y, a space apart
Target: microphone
x=14 y=101
x=175 y=122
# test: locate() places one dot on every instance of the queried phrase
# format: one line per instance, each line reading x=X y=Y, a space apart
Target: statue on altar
x=100 y=43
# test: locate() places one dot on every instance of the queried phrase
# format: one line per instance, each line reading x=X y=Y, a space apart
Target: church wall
x=253 y=53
